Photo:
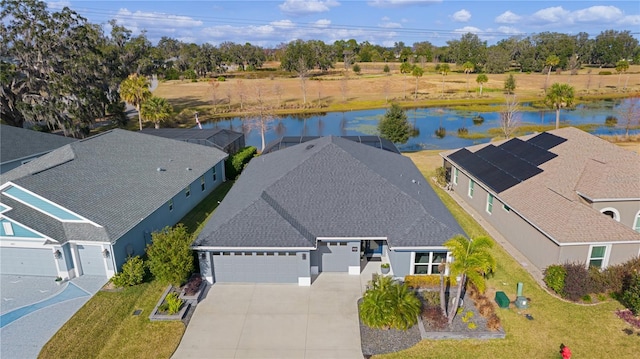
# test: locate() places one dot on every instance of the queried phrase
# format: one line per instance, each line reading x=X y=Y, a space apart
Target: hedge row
x=427 y=281
x=236 y=162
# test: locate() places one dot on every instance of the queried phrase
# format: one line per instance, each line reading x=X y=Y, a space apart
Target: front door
x=372 y=248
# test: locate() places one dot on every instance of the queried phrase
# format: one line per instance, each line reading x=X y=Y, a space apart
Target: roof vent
x=160 y=169
x=309 y=147
x=188 y=168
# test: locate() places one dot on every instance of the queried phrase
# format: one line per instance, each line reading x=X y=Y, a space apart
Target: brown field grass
x=340 y=90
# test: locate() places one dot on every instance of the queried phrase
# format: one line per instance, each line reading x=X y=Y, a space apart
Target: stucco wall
x=627 y=210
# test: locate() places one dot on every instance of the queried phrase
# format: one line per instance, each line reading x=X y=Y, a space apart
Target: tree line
x=59 y=70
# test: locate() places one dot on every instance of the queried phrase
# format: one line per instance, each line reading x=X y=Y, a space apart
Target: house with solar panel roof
x=558 y=196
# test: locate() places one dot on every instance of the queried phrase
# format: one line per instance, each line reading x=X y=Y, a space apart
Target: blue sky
x=383 y=22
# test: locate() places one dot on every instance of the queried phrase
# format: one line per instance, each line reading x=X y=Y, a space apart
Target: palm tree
x=551 y=61
x=481 y=79
x=468 y=68
x=135 y=90
x=444 y=70
x=472 y=259
x=559 y=96
x=417 y=72
x=156 y=109
x=405 y=68
x=389 y=304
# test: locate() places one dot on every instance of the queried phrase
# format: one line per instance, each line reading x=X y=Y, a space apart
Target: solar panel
x=509 y=163
x=546 y=140
x=527 y=151
x=497 y=179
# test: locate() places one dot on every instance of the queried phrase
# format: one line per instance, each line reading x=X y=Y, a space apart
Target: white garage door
x=91 y=260
x=255 y=267
x=28 y=261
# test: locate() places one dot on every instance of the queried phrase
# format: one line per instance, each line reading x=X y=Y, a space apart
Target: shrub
x=471 y=326
x=478 y=120
x=606 y=73
x=631 y=294
x=441 y=176
x=170 y=258
x=432 y=298
x=386 y=69
x=576 y=283
x=554 y=277
x=611 y=121
x=462 y=131
x=356 y=68
x=441 y=132
x=133 y=273
x=236 y=162
x=389 y=304
x=221 y=79
x=427 y=281
x=493 y=323
x=172 y=304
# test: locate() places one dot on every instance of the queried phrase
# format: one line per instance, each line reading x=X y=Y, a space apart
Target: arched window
x=636 y=223
x=611 y=212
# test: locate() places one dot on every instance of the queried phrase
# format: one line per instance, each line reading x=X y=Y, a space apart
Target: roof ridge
x=287 y=216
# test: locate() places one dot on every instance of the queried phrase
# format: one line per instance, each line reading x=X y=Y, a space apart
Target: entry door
x=373 y=248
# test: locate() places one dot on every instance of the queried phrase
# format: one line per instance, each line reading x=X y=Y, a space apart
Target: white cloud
x=399 y=3
x=302 y=7
x=630 y=20
x=322 y=23
x=508 y=17
x=508 y=30
x=551 y=15
x=461 y=16
x=283 y=24
x=598 y=14
x=148 y=20
x=390 y=25
x=466 y=29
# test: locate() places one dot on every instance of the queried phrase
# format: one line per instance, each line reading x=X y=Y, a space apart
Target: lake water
x=426 y=120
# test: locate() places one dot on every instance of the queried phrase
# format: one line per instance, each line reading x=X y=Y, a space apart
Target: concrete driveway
x=277 y=321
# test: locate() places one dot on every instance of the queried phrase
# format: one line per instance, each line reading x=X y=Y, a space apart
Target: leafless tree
x=629 y=113
x=229 y=92
x=303 y=73
x=386 y=88
x=509 y=118
x=214 y=86
x=319 y=88
x=259 y=113
x=277 y=88
x=344 y=86
x=240 y=89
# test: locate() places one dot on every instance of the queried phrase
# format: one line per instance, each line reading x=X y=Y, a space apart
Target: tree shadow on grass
x=181 y=103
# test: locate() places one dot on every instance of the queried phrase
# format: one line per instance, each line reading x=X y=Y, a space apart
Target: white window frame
x=170 y=204
x=187 y=191
x=430 y=263
x=605 y=258
x=8 y=228
x=636 y=223
x=490 y=199
x=455 y=175
x=616 y=213
x=202 y=183
x=472 y=184
x=213 y=169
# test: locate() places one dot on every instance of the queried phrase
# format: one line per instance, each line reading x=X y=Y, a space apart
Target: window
x=471 y=185
x=611 y=212
x=214 y=173
x=187 y=191
x=596 y=258
x=8 y=228
x=636 y=224
x=489 y=203
x=202 y=183
x=506 y=208
x=455 y=175
x=170 y=204
x=428 y=262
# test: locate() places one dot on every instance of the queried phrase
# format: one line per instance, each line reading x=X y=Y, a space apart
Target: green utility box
x=502 y=300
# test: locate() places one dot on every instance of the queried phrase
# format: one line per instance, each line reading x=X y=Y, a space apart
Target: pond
x=427 y=121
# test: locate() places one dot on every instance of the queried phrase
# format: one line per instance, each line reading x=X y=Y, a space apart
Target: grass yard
x=592 y=331
x=105 y=326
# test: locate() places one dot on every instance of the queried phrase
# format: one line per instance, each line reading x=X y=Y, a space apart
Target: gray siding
x=400 y=262
x=627 y=210
x=337 y=256
x=28 y=261
x=256 y=267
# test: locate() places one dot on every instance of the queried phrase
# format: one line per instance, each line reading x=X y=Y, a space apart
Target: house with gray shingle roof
x=89 y=205
x=20 y=145
x=221 y=138
x=325 y=205
x=559 y=196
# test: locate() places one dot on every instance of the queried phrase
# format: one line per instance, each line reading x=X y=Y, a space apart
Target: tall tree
x=559 y=96
x=509 y=120
x=468 y=48
x=417 y=72
x=468 y=68
x=611 y=46
x=394 y=125
x=629 y=112
x=550 y=62
x=301 y=57
x=481 y=79
x=443 y=69
x=135 y=90
x=472 y=260
x=52 y=67
x=510 y=84
x=156 y=110
x=405 y=68
x=621 y=66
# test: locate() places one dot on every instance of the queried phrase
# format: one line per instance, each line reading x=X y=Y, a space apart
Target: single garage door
x=28 y=261
x=333 y=256
x=91 y=260
x=255 y=267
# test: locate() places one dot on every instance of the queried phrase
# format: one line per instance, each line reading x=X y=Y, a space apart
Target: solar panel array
x=502 y=167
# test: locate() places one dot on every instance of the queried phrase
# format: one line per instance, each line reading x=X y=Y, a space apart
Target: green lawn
x=105 y=326
x=589 y=331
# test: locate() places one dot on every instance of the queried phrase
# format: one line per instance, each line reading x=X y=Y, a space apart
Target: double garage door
x=27 y=261
x=255 y=267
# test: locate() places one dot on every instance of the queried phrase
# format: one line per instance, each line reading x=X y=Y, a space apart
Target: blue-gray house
x=20 y=145
x=89 y=205
x=325 y=205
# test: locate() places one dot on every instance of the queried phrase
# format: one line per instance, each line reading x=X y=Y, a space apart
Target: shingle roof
x=215 y=137
x=329 y=187
x=585 y=167
x=17 y=143
x=288 y=141
x=110 y=179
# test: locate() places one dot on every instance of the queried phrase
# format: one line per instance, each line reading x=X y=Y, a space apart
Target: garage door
x=27 y=261
x=334 y=256
x=91 y=260
x=255 y=267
